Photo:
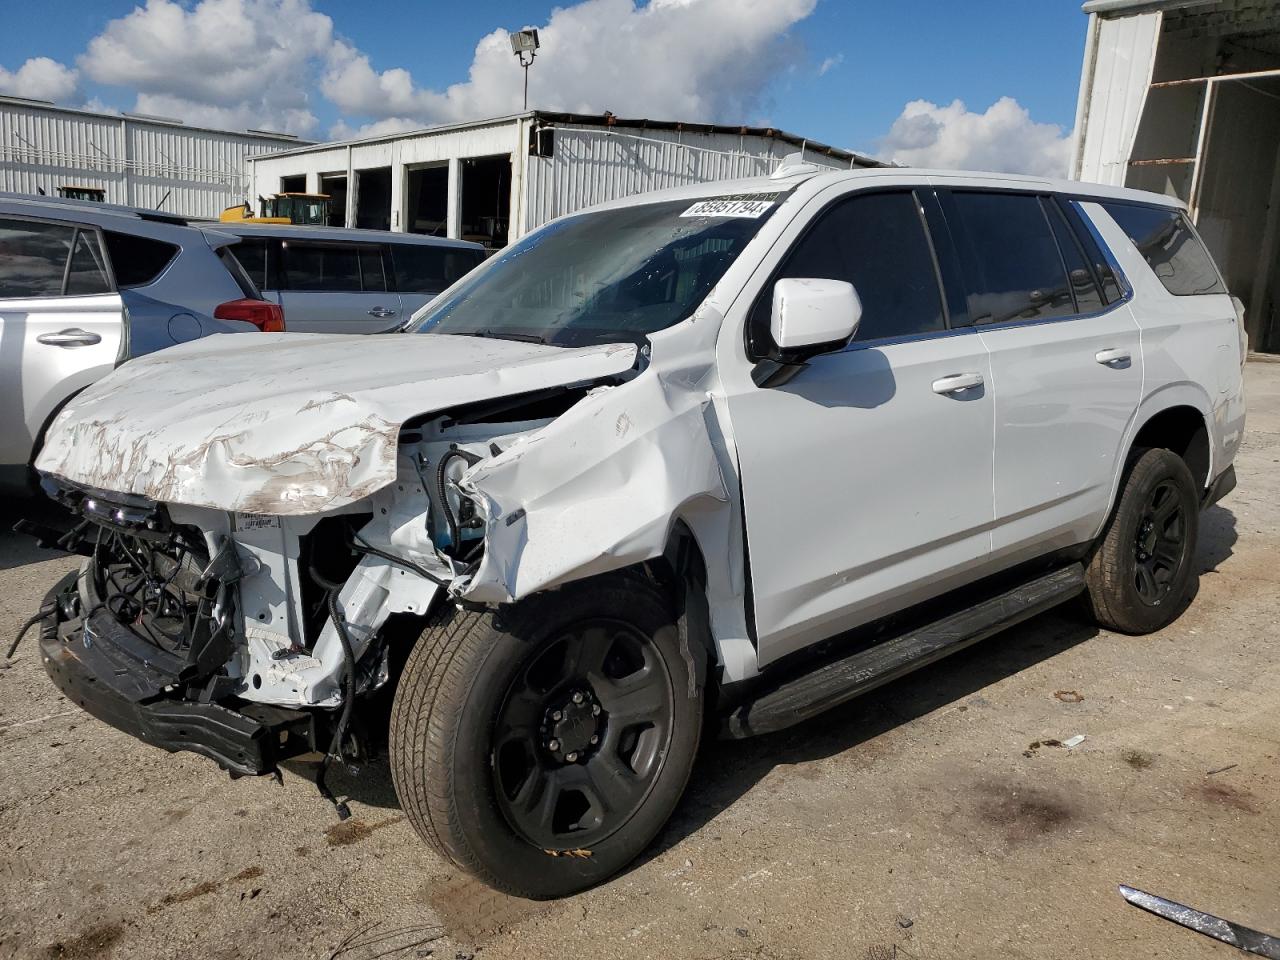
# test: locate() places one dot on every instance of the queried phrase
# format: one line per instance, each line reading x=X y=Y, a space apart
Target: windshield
x=603 y=277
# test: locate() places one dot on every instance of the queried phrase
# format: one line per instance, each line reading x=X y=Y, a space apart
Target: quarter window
x=1013 y=270
x=138 y=261
x=878 y=243
x=1171 y=248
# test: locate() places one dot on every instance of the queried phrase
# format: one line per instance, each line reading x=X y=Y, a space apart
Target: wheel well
x=1182 y=431
x=682 y=573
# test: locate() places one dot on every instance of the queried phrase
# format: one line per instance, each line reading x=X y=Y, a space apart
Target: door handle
x=1116 y=355
x=381 y=312
x=957 y=382
x=74 y=337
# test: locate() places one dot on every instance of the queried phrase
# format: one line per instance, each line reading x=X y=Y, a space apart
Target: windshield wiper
x=492 y=334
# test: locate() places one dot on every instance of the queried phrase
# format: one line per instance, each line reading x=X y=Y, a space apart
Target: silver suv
x=333 y=280
x=86 y=286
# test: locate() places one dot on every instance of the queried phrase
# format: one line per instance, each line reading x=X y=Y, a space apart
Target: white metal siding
x=1113 y=90
x=592 y=165
x=135 y=161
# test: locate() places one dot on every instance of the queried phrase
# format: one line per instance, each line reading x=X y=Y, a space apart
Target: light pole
x=524 y=43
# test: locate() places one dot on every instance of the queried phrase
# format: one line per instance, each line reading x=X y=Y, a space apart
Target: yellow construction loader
x=297 y=208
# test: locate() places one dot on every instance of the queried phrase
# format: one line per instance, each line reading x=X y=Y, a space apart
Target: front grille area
x=157 y=580
x=154 y=586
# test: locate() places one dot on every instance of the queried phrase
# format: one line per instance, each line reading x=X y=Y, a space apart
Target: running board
x=809 y=694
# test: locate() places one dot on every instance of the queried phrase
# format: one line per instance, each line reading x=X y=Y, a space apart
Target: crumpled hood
x=292 y=423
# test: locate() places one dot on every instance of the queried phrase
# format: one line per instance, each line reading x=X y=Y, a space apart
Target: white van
x=739 y=450
x=335 y=280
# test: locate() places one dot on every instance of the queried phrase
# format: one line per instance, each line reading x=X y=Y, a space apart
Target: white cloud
x=685 y=59
x=345 y=131
x=39 y=79
x=265 y=64
x=830 y=64
x=1004 y=139
x=234 y=63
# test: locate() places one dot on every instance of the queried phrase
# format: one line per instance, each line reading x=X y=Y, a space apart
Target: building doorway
x=335 y=185
x=486 y=200
x=427 y=206
x=373 y=199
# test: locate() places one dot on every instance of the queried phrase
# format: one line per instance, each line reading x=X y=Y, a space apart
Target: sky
x=989 y=84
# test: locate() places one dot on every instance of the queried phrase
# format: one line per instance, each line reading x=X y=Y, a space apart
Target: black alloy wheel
x=542 y=746
x=1160 y=547
x=1142 y=571
x=582 y=734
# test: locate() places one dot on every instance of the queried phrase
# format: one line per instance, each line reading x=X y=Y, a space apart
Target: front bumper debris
x=122 y=680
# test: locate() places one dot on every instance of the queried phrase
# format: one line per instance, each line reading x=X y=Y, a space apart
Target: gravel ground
x=922 y=821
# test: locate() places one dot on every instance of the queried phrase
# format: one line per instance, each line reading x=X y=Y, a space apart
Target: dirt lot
x=919 y=822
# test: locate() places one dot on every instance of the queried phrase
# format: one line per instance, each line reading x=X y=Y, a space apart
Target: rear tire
x=1142 y=570
x=491 y=707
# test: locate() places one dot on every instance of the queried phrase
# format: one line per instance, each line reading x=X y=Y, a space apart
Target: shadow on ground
x=726 y=769
x=19 y=549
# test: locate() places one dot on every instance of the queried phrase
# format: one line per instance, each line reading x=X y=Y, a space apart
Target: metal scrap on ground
x=1248 y=940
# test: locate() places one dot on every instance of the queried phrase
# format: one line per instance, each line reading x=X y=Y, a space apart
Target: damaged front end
x=143 y=634
x=276 y=513
x=251 y=637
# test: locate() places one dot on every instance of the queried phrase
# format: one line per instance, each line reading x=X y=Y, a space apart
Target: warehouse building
x=135 y=160
x=1183 y=97
x=495 y=180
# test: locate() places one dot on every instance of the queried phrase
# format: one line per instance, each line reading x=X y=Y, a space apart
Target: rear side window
x=137 y=261
x=334 y=267
x=1012 y=266
x=431 y=269
x=878 y=243
x=1166 y=241
x=33 y=258
x=49 y=260
x=87 y=272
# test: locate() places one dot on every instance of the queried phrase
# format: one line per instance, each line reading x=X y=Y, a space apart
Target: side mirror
x=811 y=316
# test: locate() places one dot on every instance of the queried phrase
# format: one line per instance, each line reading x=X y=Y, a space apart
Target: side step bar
x=808 y=695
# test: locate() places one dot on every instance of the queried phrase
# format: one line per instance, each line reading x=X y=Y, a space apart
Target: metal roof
x=1125 y=8
x=137 y=118
x=605 y=120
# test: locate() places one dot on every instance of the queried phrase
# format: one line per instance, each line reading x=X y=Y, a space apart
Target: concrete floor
x=917 y=822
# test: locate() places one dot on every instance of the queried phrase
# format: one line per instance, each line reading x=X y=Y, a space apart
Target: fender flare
x=1182 y=394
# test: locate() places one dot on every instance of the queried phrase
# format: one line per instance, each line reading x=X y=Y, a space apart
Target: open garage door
x=427 y=207
x=486 y=200
x=373 y=198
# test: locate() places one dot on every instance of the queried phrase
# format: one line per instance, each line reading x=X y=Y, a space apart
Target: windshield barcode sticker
x=747 y=205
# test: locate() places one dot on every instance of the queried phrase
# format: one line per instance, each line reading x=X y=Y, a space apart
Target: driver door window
x=878 y=243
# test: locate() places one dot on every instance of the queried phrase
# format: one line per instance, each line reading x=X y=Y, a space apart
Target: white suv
x=740 y=450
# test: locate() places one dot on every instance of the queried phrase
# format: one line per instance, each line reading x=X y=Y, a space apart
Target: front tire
x=543 y=747
x=1141 y=574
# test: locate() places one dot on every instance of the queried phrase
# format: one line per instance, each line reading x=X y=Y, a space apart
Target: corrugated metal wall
x=135 y=161
x=590 y=165
x=1112 y=92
